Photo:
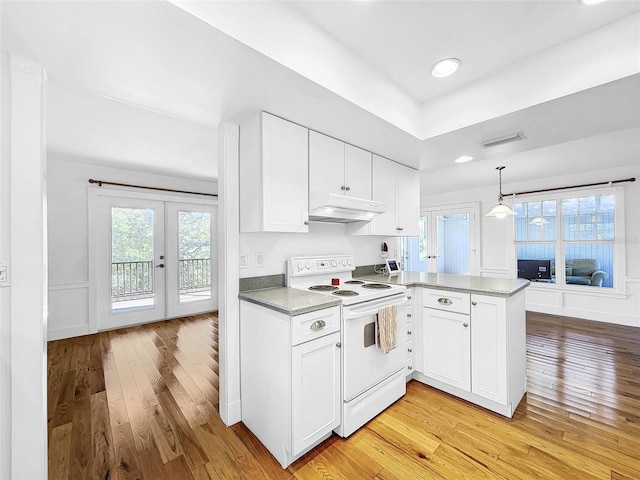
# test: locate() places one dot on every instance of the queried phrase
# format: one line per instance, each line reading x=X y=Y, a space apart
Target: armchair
x=584 y=271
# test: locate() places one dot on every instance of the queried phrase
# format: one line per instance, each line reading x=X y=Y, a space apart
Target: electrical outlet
x=259 y=259
x=243 y=260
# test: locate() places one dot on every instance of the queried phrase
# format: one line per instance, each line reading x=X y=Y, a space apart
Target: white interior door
x=191 y=258
x=130 y=281
x=447 y=242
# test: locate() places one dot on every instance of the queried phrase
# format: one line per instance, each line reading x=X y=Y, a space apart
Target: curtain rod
x=103 y=182
x=612 y=182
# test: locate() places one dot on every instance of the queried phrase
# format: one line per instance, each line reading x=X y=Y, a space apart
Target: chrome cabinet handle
x=348 y=188
x=444 y=301
x=399 y=229
x=465 y=324
x=409 y=350
x=474 y=303
x=410 y=367
x=306 y=222
x=408 y=332
x=343 y=187
x=318 y=325
x=338 y=345
x=409 y=315
x=408 y=297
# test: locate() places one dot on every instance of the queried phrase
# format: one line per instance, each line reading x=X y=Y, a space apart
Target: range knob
x=349 y=261
x=344 y=262
x=334 y=263
x=300 y=266
x=307 y=265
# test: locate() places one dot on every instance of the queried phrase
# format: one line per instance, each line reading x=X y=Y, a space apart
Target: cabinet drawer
x=316 y=324
x=445 y=300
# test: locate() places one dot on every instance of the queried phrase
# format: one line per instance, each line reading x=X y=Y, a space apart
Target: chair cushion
x=579 y=280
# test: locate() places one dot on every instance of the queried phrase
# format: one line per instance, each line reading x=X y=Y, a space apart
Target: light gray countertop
x=497 y=287
x=289 y=300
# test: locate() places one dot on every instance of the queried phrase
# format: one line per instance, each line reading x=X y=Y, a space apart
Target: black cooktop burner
x=376 y=286
x=345 y=293
x=354 y=282
x=323 y=288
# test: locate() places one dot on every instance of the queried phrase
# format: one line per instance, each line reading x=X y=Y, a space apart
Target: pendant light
x=500 y=210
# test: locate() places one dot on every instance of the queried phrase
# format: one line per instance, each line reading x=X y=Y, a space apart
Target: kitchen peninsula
x=467 y=334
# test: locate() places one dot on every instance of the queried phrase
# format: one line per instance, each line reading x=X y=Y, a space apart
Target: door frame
x=94 y=192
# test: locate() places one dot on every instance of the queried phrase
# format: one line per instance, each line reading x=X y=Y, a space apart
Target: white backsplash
x=323 y=238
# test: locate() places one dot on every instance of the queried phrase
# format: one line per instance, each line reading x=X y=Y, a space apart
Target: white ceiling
x=144 y=85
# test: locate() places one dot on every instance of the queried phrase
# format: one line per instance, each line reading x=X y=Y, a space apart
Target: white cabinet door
x=408 y=201
x=274 y=175
x=357 y=172
x=315 y=379
x=326 y=164
x=446 y=346
x=285 y=175
x=384 y=190
x=489 y=347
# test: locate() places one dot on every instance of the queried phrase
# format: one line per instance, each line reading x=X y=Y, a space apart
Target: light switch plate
x=243 y=260
x=4 y=273
x=259 y=259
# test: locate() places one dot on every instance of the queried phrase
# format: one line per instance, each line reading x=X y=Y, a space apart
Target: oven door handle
x=358 y=314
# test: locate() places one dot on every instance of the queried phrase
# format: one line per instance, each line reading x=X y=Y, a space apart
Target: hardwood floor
x=142 y=403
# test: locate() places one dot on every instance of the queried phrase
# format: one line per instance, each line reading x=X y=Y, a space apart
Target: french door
x=154 y=259
x=447 y=241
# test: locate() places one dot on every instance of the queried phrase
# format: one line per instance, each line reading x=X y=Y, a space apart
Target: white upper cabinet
x=274 y=175
x=398 y=186
x=337 y=167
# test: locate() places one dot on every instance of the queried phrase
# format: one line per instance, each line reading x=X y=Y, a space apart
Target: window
x=574 y=233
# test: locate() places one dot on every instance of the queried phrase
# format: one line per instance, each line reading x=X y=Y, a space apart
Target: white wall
x=5 y=255
x=69 y=240
x=23 y=299
x=322 y=239
x=497 y=256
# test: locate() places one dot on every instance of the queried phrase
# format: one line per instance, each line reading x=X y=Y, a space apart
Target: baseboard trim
x=67 y=332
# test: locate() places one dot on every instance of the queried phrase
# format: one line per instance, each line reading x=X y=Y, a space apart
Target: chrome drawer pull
x=409 y=332
x=465 y=324
x=444 y=301
x=318 y=325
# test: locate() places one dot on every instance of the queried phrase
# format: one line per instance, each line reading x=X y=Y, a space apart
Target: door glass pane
x=453 y=243
x=415 y=249
x=131 y=258
x=194 y=255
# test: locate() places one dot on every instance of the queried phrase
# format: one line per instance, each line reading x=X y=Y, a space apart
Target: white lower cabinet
x=290 y=378
x=447 y=349
x=489 y=347
x=315 y=383
x=478 y=355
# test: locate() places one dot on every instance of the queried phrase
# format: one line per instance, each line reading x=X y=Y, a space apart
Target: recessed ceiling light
x=590 y=2
x=445 y=67
x=463 y=159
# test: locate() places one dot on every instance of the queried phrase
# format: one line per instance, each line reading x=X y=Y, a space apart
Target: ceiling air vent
x=513 y=137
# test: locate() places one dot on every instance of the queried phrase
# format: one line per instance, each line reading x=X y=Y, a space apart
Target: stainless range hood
x=333 y=208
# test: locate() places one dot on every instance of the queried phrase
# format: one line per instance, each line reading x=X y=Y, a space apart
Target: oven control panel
x=302 y=266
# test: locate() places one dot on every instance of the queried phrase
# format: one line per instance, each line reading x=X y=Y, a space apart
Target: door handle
x=160 y=266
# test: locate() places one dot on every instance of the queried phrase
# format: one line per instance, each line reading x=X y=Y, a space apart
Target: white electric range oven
x=371 y=380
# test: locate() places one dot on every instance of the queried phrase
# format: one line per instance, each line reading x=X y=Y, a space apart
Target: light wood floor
x=142 y=403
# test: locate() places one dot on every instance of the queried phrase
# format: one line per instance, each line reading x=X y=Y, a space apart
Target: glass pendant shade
x=501 y=210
